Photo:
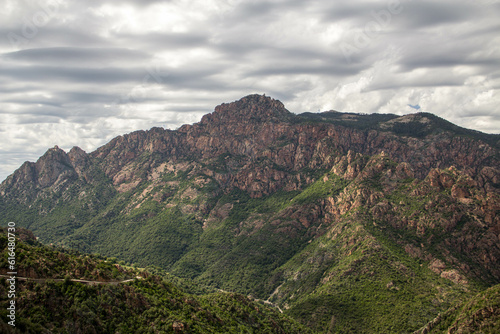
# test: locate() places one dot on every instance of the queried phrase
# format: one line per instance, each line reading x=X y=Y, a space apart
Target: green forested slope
x=148 y=304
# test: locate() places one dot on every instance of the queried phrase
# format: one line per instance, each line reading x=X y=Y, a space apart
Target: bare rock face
x=248 y=110
x=80 y=160
x=349 y=166
x=54 y=170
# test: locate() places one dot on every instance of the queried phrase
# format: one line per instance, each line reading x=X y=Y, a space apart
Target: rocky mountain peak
x=54 y=153
x=79 y=159
x=54 y=165
x=52 y=170
x=250 y=108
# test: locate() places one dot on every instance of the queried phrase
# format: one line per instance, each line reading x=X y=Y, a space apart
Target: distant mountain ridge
x=246 y=116
x=321 y=214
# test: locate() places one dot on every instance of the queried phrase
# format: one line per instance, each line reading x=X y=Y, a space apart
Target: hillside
x=478 y=314
x=350 y=223
x=145 y=303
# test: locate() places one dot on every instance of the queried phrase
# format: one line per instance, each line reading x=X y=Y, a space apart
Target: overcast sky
x=82 y=72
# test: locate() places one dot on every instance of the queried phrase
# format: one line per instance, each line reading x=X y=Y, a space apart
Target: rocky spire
x=250 y=108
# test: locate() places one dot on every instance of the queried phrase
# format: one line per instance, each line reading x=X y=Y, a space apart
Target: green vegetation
x=148 y=305
x=321 y=189
x=414 y=128
x=479 y=314
x=366 y=286
x=358 y=121
x=351 y=275
x=346 y=275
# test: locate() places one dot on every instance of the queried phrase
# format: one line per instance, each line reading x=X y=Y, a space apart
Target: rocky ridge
x=258 y=127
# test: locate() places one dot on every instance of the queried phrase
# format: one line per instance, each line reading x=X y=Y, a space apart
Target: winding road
x=41 y=280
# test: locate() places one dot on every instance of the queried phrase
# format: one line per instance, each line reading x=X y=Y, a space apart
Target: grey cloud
x=37 y=73
x=439 y=53
x=84 y=115
x=348 y=10
x=76 y=56
x=480 y=113
x=261 y=11
x=404 y=14
x=29 y=100
x=29 y=114
x=446 y=60
x=230 y=49
x=52 y=34
x=60 y=96
x=162 y=41
x=422 y=14
x=138 y=74
x=490 y=30
x=88 y=97
x=431 y=81
x=261 y=56
x=32 y=119
x=295 y=69
x=7 y=86
x=145 y=3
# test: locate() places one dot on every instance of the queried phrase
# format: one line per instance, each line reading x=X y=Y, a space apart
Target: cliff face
x=53 y=171
x=289 y=207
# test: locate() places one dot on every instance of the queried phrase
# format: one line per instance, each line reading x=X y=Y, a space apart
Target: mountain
x=65 y=292
x=350 y=223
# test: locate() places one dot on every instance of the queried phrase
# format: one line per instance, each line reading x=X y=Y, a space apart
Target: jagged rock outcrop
x=265 y=139
x=53 y=171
